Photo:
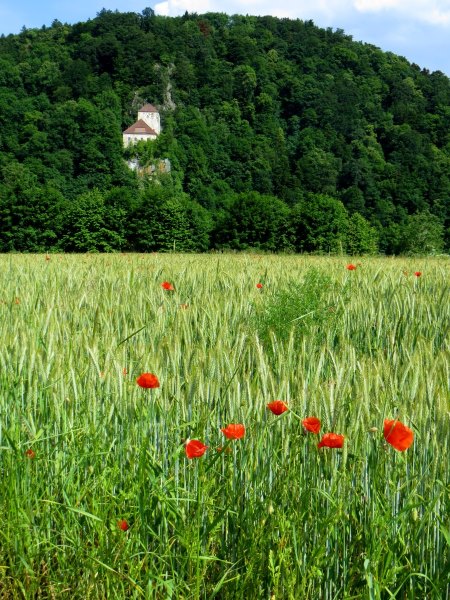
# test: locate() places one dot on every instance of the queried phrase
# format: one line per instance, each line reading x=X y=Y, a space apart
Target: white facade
x=152 y=119
x=147 y=127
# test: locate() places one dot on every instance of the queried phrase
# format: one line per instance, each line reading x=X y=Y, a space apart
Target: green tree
x=423 y=234
x=320 y=224
x=86 y=228
x=254 y=220
x=361 y=237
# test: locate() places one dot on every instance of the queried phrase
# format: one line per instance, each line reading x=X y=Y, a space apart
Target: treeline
x=281 y=136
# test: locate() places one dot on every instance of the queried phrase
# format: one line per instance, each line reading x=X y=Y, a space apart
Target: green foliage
x=248 y=104
x=292 y=309
x=168 y=220
x=254 y=221
x=423 y=234
x=320 y=224
x=361 y=237
x=86 y=225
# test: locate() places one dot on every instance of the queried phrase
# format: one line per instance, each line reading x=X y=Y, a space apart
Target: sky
x=419 y=30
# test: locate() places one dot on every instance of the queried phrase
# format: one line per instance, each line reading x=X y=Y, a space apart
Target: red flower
x=167 y=286
x=311 y=424
x=234 y=431
x=259 y=285
x=418 y=273
x=331 y=440
x=123 y=525
x=351 y=267
x=278 y=407
x=148 y=380
x=30 y=453
x=124 y=372
x=195 y=449
x=398 y=435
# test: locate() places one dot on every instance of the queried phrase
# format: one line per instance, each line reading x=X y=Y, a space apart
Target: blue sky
x=419 y=30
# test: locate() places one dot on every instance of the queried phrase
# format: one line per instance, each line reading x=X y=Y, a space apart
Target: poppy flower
x=234 y=431
x=259 y=285
x=167 y=286
x=398 y=435
x=351 y=267
x=147 y=380
x=311 y=424
x=418 y=273
x=123 y=524
x=124 y=372
x=331 y=440
x=278 y=407
x=195 y=449
x=30 y=453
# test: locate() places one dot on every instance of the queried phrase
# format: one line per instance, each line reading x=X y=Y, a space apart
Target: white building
x=147 y=127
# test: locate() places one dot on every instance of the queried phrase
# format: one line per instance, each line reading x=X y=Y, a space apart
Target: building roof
x=140 y=127
x=148 y=108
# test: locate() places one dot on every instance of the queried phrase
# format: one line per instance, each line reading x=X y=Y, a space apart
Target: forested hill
x=280 y=136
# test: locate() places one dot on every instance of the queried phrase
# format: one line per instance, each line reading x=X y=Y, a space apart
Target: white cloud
x=174 y=8
x=436 y=12
x=325 y=11
x=162 y=9
x=376 y=5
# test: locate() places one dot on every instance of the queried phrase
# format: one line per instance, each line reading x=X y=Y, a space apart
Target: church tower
x=150 y=115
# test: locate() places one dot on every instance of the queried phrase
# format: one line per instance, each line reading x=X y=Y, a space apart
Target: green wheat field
x=98 y=499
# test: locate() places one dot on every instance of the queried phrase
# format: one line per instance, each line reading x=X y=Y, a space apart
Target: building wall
x=132 y=138
x=152 y=119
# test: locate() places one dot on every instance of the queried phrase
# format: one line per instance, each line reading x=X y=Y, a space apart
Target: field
x=98 y=499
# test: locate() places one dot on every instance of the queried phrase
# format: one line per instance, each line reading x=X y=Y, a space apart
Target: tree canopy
x=280 y=136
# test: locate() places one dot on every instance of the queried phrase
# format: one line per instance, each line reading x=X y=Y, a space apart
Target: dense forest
x=281 y=136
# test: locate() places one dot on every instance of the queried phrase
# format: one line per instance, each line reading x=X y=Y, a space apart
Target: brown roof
x=148 y=108
x=140 y=127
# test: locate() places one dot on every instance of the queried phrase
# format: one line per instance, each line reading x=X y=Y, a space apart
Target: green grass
x=272 y=518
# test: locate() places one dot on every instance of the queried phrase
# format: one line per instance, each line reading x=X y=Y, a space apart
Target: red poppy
x=30 y=453
x=418 y=273
x=278 y=407
x=331 y=440
x=234 y=431
x=259 y=285
x=195 y=449
x=148 y=380
x=311 y=424
x=398 y=435
x=123 y=525
x=124 y=371
x=351 y=267
x=167 y=286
